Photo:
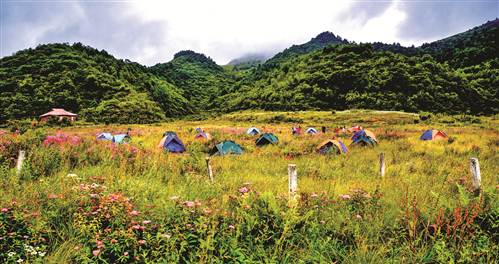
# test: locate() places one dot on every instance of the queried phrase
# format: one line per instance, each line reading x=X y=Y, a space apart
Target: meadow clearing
x=86 y=201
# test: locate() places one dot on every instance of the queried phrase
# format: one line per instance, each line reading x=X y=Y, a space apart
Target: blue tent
x=432 y=134
x=364 y=137
x=121 y=138
x=105 y=136
x=311 y=130
x=267 y=138
x=226 y=147
x=253 y=131
x=173 y=144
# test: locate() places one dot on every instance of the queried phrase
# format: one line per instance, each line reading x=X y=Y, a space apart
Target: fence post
x=210 y=170
x=382 y=164
x=292 y=180
x=476 y=178
x=20 y=160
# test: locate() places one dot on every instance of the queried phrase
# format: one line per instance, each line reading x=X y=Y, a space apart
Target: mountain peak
x=193 y=56
x=326 y=37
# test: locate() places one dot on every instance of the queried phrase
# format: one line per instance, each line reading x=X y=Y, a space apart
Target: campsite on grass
x=137 y=197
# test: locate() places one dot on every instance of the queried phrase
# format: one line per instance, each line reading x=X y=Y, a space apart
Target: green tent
x=267 y=138
x=226 y=147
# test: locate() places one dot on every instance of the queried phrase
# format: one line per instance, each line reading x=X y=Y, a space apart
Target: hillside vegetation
x=458 y=74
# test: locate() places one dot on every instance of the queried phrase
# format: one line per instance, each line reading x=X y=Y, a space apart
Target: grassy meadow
x=85 y=201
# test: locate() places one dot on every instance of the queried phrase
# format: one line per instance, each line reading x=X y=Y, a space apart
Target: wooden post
x=20 y=160
x=292 y=180
x=382 y=164
x=475 y=174
x=210 y=170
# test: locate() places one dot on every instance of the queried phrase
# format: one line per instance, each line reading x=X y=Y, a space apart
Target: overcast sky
x=150 y=32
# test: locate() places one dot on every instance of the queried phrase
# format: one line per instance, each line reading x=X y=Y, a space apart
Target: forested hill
x=199 y=77
x=86 y=81
x=458 y=74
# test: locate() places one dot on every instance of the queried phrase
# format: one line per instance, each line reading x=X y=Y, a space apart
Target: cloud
x=150 y=31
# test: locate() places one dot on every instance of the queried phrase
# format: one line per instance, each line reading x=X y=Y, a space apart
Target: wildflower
x=100 y=244
x=42 y=253
x=125 y=254
x=114 y=241
x=142 y=242
x=314 y=195
x=5 y=210
x=243 y=190
x=167 y=236
x=358 y=216
x=136 y=227
x=188 y=225
x=345 y=196
x=134 y=213
x=19 y=260
x=10 y=254
x=232 y=227
x=322 y=222
x=189 y=204
x=96 y=252
x=145 y=222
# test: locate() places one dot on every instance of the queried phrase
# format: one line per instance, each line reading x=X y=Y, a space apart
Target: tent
x=168 y=133
x=121 y=138
x=226 y=147
x=172 y=143
x=355 y=129
x=364 y=137
x=433 y=134
x=296 y=131
x=105 y=136
x=311 y=131
x=332 y=145
x=267 y=138
x=203 y=135
x=253 y=131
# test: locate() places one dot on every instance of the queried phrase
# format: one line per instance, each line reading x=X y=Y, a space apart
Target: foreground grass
x=74 y=200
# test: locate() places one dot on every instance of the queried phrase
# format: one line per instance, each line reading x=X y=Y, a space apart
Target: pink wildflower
x=243 y=190
x=136 y=227
x=125 y=254
x=5 y=210
x=134 y=213
x=146 y=222
x=114 y=241
x=189 y=204
x=232 y=227
x=96 y=252
x=142 y=242
x=345 y=197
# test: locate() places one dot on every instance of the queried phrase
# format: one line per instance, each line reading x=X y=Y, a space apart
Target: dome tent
x=105 y=136
x=121 y=138
x=364 y=137
x=253 y=131
x=226 y=147
x=172 y=143
x=267 y=138
x=332 y=146
x=433 y=134
x=311 y=131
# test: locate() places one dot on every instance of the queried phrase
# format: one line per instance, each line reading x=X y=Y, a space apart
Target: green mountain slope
x=469 y=48
x=356 y=76
x=85 y=81
x=199 y=77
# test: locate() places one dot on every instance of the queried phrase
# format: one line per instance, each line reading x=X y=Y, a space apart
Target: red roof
x=58 y=112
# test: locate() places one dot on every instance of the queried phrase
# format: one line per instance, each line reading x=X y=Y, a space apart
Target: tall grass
x=93 y=201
